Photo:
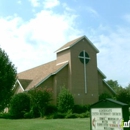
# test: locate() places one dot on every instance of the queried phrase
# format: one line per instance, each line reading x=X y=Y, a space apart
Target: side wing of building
x=103 y=86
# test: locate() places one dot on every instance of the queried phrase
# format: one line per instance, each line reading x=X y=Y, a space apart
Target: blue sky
x=31 y=30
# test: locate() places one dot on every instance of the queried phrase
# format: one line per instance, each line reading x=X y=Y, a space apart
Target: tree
x=19 y=105
x=40 y=99
x=7 y=79
x=128 y=88
x=123 y=95
x=65 y=100
x=104 y=96
x=114 y=85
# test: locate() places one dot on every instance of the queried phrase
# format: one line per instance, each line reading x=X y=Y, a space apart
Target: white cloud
x=92 y=11
x=50 y=3
x=51 y=25
x=113 y=58
x=32 y=43
x=67 y=8
x=35 y=3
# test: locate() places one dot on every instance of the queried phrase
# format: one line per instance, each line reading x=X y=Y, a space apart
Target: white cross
x=84 y=58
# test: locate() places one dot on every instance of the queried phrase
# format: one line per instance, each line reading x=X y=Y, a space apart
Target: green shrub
x=84 y=115
x=87 y=113
x=58 y=115
x=19 y=105
x=40 y=98
x=50 y=109
x=67 y=115
x=87 y=107
x=81 y=108
x=35 y=112
x=72 y=115
x=6 y=116
x=78 y=109
x=65 y=101
x=76 y=115
x=28 y=115
x=104 y=96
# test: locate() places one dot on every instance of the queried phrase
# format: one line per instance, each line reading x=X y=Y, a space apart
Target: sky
x=32 y=30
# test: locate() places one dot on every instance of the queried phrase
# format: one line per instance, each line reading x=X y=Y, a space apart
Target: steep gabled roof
x=39 y=74
x=103 y=75
x=109 y=86
x=75 y=41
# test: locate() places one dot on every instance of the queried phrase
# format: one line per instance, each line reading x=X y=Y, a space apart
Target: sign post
x=109 y=115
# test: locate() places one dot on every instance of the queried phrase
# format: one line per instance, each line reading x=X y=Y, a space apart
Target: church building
x=75 y=68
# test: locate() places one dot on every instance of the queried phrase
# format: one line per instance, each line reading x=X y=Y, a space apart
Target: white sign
x=106 y=119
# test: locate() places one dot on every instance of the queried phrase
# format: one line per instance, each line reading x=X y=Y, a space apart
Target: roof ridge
x=73 y=42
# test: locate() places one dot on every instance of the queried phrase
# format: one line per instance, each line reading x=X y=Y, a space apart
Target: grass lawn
x=45 y=124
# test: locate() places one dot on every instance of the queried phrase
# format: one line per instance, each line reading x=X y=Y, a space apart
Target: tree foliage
x=114 y=85
x=104 y=96
x=128 y=88
x=124 y=95
x=7 y=78
x=65 y=100
x=19 y=105
x=40 y=99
